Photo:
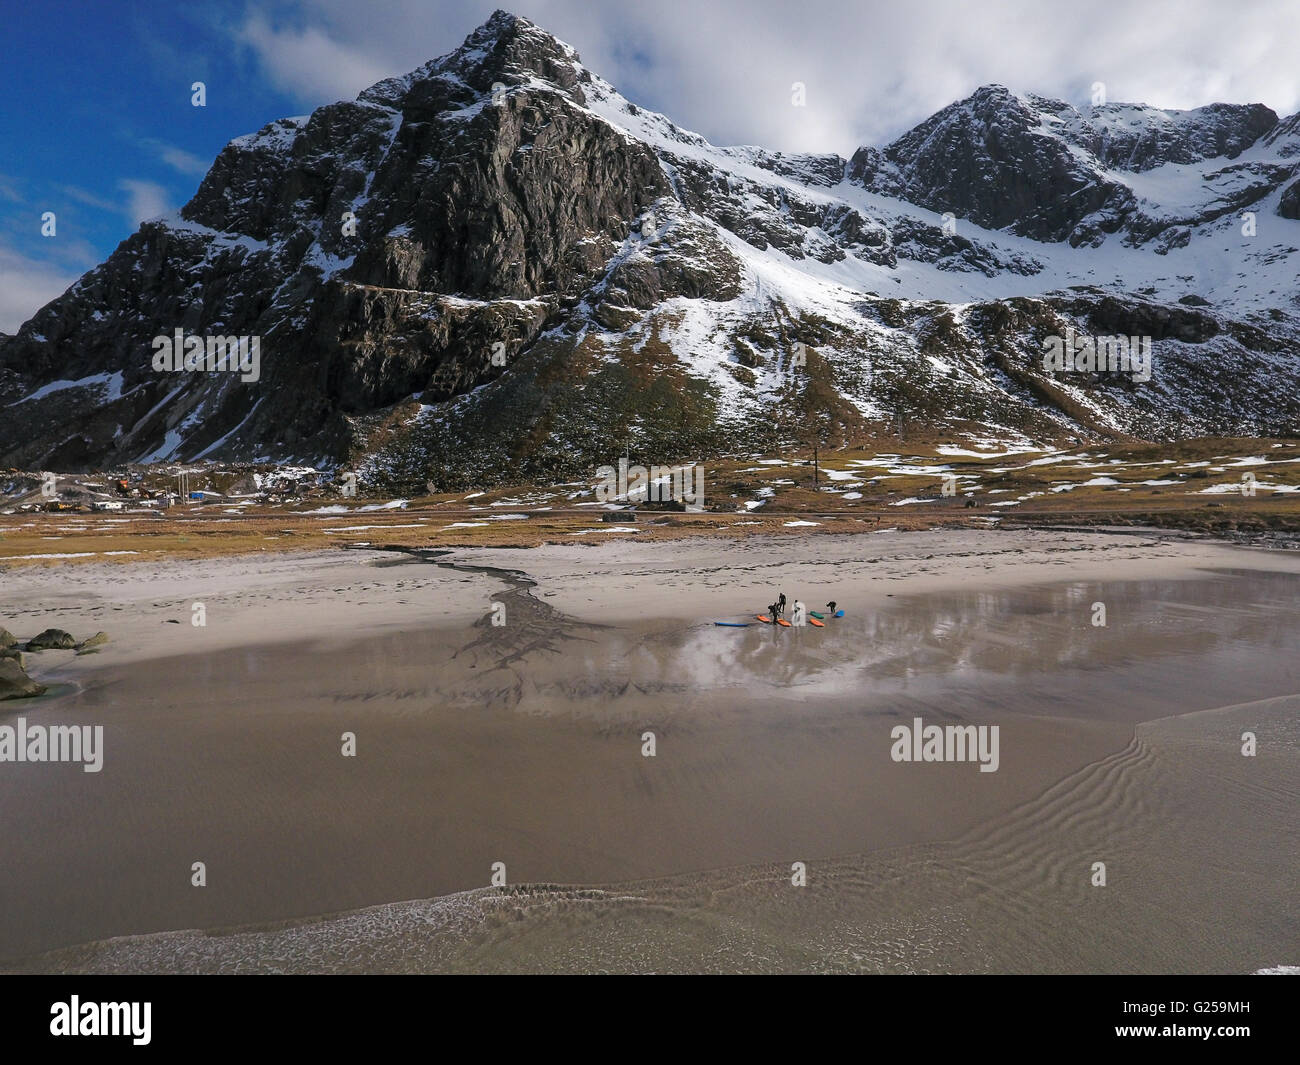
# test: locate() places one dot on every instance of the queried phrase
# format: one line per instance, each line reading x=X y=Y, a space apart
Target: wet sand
x=523 y=744
x=1200 y=851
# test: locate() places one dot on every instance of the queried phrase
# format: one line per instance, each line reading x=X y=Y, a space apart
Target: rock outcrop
x=51 y=640
x=92 y=644
x=1289 y=203
x=15 y=683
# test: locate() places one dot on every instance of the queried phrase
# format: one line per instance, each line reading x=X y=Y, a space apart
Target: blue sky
x=97 y=124
x=98 y=127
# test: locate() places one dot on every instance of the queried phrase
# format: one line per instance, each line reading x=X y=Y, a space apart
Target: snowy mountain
x=498 y=268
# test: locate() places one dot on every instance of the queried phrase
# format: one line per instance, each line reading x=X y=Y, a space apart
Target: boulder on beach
x=52 y=640
x=12 y=652
x=92 y=644
x=7 y=638
x=16 y=684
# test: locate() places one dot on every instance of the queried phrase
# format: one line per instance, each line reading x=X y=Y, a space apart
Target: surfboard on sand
x=819 y=624
x=782 y=621
x=839 y=613
x=764 y=618
x=813 y=613
x=733 y=624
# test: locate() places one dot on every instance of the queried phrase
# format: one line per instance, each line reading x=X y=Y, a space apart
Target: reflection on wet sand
x=522 y=744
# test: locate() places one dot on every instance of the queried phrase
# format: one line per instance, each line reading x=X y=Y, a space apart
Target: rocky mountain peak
x=495 y=265
x=507 y=50
x=1285 y=136
x=1042 y=168
x=1136 y=137
x=986 y=158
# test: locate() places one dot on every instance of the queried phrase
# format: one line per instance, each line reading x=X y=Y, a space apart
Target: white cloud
x=872 y=70
x=26 y=285
x=310 y=64
x=145 y=200
x=180 y=160
x=90 y=199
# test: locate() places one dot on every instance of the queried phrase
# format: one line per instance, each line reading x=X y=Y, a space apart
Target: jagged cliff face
x=1042 y=169
x=498 y=268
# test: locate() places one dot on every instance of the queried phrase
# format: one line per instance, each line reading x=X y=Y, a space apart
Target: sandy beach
x=523 y=743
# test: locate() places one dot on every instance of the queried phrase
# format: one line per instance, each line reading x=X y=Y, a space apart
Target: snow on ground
x=606 y=529
x=1236 y=488
x=69 y=554
x=367 y=528
x=962 y=452
x=112 y=383
x=1218 y=264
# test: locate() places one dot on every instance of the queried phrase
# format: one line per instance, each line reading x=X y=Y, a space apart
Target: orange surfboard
x=814 y=621
x=782 y=621
x=763 y=617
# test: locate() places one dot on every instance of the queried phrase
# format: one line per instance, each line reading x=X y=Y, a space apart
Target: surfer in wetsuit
x=831 y=607
x=780 y=604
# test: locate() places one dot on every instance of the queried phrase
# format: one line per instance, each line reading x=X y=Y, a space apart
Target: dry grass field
x=1245 y=487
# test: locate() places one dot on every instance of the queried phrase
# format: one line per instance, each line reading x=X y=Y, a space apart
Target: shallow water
x=523 y=745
